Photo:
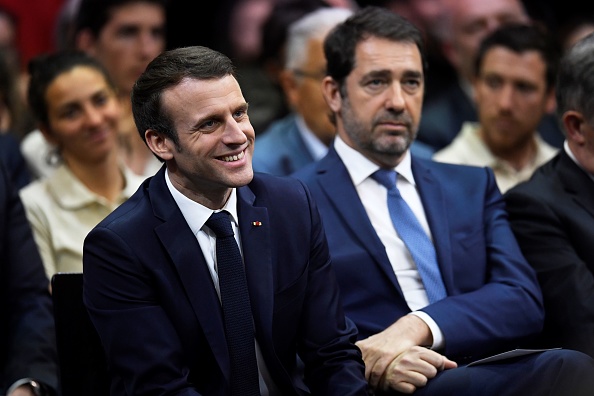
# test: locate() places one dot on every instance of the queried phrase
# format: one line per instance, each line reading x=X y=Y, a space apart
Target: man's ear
x=331 y=92
x=85 y=41
x=289 y=84
x=159 y=144
x=573 y=122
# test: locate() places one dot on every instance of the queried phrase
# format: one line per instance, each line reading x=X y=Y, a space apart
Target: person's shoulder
x=454 y=170
x=544 y=178
x=276 y=140
x=37 y=190
x=268 y=182
x=307 y=173
x=131 y=213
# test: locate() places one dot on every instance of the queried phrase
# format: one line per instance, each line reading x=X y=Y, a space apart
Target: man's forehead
x=384 y=54
x=124 y=14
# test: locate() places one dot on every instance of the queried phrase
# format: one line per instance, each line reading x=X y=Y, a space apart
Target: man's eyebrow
x=378 y=73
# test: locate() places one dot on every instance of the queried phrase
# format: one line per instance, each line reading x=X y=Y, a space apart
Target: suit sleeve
x=566 y=282
x=333 y=364
x=507 y=309
x=141 y=344
x=26 y=303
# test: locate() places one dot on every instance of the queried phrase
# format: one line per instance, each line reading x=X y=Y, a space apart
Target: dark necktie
x=414 y=237
x=237 y=313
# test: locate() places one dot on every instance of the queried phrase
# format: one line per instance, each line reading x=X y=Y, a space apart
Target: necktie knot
x=385 y=177
x=220 y=224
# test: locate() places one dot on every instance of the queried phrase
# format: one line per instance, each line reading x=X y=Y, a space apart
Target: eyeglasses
x=319 y=75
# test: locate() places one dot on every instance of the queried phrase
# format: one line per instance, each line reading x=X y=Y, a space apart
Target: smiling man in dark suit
x=552 y=214
x=428 y=267
x=210 y=280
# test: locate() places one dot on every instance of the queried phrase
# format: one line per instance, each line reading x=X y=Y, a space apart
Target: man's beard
x=363 y=135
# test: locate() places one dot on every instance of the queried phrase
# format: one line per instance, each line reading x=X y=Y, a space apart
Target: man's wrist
x=38 y=388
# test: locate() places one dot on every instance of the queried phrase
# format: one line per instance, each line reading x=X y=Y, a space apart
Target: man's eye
x=375 y=82
x=208 y=124
x=412 y=83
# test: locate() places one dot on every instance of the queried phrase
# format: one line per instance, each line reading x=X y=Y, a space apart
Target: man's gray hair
x=314 y=25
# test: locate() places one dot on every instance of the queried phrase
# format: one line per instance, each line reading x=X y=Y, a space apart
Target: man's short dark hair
x=520 y=38
x=95 y=14
x=166 y=71
x=340 y=44
x=575 y=81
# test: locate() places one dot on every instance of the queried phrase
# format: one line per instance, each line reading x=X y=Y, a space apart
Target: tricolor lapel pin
x=256 y=223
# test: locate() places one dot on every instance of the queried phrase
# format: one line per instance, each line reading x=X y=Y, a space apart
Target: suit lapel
x=184 y=250
x=577 y=183
x=335 y=181
x=254 y=227
x=436 y=213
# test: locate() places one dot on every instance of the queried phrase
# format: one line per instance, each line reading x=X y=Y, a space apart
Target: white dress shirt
x=196 y=216
x=374 y=197
x=314 y=145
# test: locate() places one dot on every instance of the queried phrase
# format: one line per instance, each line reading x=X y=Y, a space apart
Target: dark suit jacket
x=151 y=297
x=552 y=216
x=27 y=347
x=493 y=297
x=280 y=150
x=13 y=160
x=444 y=115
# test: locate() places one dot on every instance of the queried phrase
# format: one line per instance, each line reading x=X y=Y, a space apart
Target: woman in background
x=77 y=110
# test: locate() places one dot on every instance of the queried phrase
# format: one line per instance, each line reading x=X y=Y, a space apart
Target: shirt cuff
x=438 y=341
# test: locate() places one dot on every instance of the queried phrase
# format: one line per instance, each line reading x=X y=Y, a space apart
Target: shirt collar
x=313 y=143
x=360 y=168
x=574 y=159
x=70 y=192
x=196 y=214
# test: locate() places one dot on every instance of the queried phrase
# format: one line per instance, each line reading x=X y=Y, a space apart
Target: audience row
x=379 y=269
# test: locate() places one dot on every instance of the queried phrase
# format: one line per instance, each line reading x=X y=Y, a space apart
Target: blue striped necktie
x=414 y=237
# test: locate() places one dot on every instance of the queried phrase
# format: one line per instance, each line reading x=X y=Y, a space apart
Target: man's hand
x=382 y=349
x=413 y=368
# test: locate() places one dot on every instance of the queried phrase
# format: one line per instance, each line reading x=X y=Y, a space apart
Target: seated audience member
x=223 y=272
x=552 y=215
x=13 y=161
x=427 y=264
x=513 y=89
x=461 y=29
x=77 y=109
x=304 y=136
x=124 y=35
x=28 y=361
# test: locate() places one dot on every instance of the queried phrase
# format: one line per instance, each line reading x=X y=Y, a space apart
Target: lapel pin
x=256 y=223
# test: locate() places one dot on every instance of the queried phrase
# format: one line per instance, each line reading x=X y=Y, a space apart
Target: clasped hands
x=396 y=358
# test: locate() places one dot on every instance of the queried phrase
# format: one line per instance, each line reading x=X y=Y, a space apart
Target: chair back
x=83 y=367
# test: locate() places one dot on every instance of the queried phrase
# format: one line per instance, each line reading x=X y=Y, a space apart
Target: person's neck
x=133 y=150
x=104 y=178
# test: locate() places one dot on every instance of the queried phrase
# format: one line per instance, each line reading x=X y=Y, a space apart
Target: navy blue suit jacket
x=280 y=150
x=27 y=337
x=552 y=216
x=493 y=297
x=151 y=297
x=13 y=160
